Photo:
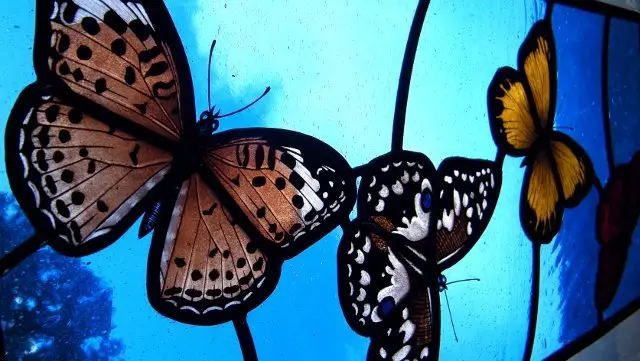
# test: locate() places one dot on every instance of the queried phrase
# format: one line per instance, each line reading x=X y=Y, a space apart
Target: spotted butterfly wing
x=203 y=266
x=116 y=54
x=413 y=222
x=80 y=181
x=262 y=196
x=292 y=188
x=468 y=197
x=386 y=280
x=88 y=143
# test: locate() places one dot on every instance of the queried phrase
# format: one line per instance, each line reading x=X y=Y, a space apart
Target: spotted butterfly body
x=108 y=132
x=413 y=222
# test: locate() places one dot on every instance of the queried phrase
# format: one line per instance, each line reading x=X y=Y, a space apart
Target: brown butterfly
x=108 y=131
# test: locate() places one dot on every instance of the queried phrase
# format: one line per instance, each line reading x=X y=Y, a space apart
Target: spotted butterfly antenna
x=266 y=91
x=463 y=280
x=213 y=45
x=451 y=316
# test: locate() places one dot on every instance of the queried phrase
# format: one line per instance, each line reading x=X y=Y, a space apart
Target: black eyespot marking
x=42 y=161
x=226 y=254
x=90 y=25
x=64 y=69
x=75 y=116
x=64 y=136
x=246 y=279
x=77 y=198
x=258 y=265
x=92 y=167
x=231 y=289
x=62 y=208
x=52 y=113
x=67 y=176
x=259 y=156
x=115 y=22
x=84 y=53
x=261 y=212
x=119 y=47
x=63 y=42
x=102 y=206
x=196 y=275
x=297 y=201
x=173 y=291
x=78 y=75
x=214 y=275
x=84 y=152
x=50 y=184
x=58 y=156
x=213 y=293
x=236 y=180
x=288 y=160
x=281 y=183
x=157 y=69
x=273 y=227
x=141 y=30
x=241 y=262
x=180 y=262
x=251 y=247
x=101 y=85
x=296 y=180
x=259 y=181
x=228 y=275
x=130 y=75
x=213 y=252
x=295 y=228
x=193 y=293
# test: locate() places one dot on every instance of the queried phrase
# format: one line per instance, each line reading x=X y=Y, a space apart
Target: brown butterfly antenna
x=266 y=91
x=211 y=108
x=443 y=288
x=213 y=45
x=450 y=315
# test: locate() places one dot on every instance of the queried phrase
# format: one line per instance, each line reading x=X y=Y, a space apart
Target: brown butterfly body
x=109 y=131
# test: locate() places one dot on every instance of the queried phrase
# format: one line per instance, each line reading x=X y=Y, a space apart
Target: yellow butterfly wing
x=574 y=168
x=537 y=59
x=521 y=102
x=557 y=177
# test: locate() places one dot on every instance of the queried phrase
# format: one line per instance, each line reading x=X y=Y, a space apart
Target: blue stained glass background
x=333 y=67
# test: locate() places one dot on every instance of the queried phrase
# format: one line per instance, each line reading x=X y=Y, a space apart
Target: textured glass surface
x=333 y=68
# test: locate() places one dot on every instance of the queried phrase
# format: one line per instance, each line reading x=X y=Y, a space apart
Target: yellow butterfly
x=521 y=109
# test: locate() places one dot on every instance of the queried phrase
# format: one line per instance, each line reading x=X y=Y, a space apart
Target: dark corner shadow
x=590 y=337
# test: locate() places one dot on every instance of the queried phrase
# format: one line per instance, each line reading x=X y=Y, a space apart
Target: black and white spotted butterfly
x=109 y=129
x=413 y=222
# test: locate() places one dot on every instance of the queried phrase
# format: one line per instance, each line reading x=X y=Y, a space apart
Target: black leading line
x=404 y=84
x=535 y=262
x=606 y=117
x=243 y=332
